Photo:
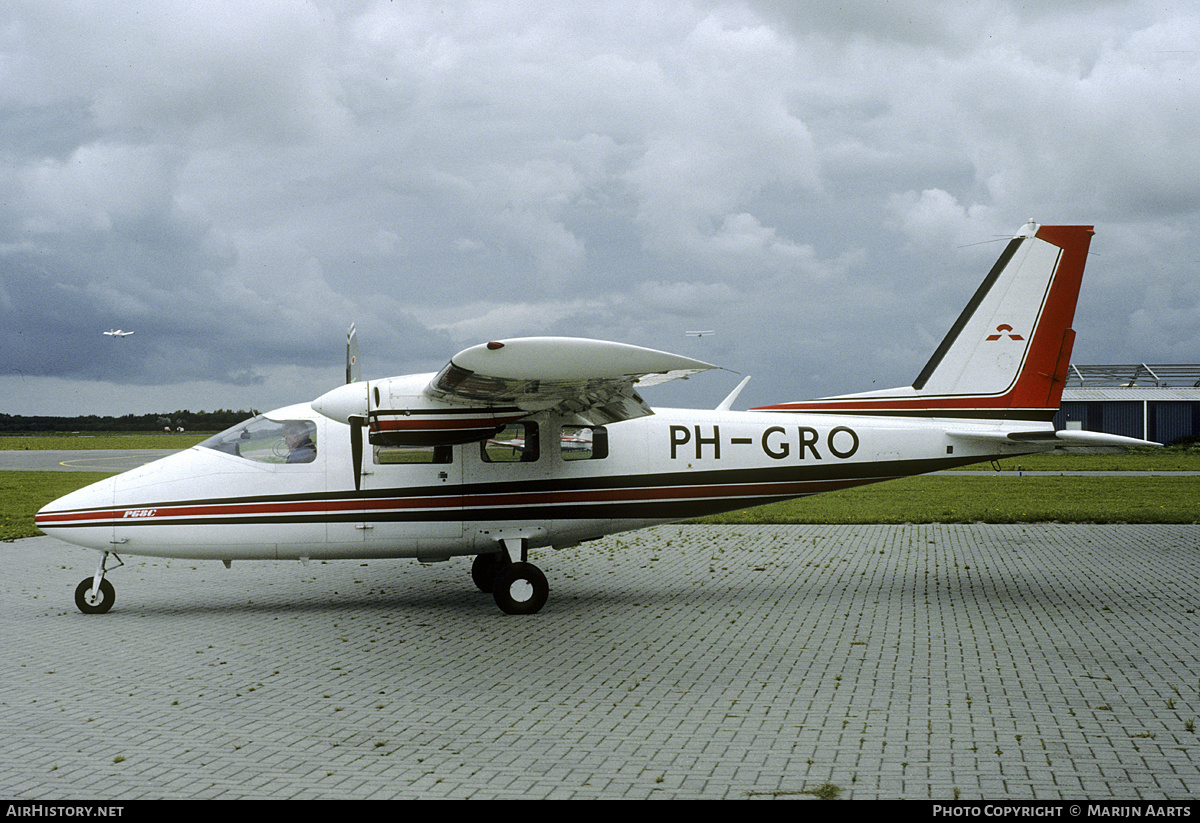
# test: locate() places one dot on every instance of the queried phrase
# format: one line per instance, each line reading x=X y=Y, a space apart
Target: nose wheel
x=95 y=595
x=93 y=600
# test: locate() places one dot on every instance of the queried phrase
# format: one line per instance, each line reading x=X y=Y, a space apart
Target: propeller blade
x=356 y=448
x=352 y=368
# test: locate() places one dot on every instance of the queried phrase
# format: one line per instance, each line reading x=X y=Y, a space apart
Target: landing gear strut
x=95 y=595
x=518 y=586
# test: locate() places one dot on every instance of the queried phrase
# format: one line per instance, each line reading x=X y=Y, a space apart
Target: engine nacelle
x=417 y=424
x=397 y=412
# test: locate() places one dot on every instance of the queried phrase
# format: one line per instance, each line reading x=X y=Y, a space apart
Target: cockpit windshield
x=268 y=441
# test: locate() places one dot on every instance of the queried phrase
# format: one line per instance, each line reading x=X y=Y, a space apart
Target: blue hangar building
x=1150 y=402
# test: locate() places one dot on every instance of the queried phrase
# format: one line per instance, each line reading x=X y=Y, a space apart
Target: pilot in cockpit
x=301 y=448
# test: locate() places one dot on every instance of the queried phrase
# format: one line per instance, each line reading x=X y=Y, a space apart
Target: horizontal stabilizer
x=1066 y=438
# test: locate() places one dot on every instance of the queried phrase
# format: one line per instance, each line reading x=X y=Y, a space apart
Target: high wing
x=484 y=388
x=593 y=379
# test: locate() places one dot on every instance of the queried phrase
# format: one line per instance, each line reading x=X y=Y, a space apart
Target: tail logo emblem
x=1004 y=328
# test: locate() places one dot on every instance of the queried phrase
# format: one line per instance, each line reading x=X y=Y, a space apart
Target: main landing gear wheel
x=91 y=602
x=485 y=568
x=521 y=588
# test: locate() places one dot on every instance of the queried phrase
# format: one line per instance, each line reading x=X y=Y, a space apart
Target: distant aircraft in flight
x=118 y=333
x=708 y=333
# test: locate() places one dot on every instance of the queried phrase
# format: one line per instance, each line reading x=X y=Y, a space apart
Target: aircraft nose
x=344 y=402
x=67 y=516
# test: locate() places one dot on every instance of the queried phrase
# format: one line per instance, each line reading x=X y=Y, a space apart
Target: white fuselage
x=670 y=466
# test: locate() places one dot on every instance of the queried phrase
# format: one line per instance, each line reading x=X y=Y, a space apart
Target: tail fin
x=1007 y=355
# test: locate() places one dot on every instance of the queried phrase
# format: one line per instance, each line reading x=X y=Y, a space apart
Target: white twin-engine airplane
x=533 y=443
x=118 y=333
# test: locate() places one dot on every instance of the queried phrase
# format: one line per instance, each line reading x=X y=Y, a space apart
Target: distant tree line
x=200 y=421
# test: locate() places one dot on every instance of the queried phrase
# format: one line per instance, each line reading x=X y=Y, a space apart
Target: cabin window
x=515 y=443
x=268 y=441
x=413 y=455
x=583 y=443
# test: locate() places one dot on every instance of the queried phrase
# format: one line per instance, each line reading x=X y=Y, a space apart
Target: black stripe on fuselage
x=668 y=496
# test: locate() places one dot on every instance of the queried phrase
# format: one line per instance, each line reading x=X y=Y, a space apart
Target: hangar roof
x=1138 y=375
x=1133 y=395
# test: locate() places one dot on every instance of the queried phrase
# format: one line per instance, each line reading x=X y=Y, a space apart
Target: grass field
x=992 y=499
x=23 y=493
x=986 y=498
x=43 y=442
x=1135 y=460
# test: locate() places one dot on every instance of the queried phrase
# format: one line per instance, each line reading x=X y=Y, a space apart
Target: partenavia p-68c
x=533 y=443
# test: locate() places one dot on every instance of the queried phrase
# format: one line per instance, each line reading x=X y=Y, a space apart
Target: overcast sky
x=823 y=184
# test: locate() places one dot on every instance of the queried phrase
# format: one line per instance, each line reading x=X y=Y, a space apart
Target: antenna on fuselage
x=727 y=403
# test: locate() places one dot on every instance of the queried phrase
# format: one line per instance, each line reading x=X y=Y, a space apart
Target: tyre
x=94 y=605
x=521 y=588
x=484 y=570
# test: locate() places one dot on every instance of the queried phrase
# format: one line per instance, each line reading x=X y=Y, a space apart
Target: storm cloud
x=823 y=184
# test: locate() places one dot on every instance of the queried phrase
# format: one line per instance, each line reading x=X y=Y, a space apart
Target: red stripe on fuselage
x=150 y=513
